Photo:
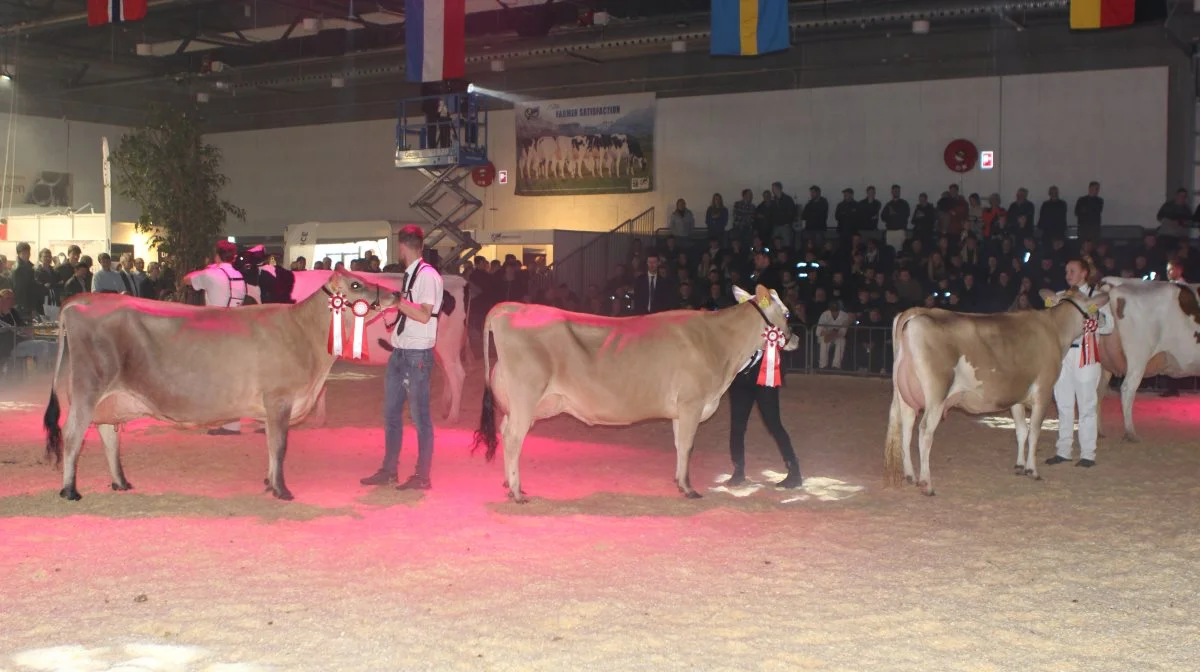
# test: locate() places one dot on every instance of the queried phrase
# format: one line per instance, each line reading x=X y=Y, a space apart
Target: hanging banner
x=602 y=145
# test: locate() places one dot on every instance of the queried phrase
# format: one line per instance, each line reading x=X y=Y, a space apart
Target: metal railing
x=592 y=264
x=858 y=350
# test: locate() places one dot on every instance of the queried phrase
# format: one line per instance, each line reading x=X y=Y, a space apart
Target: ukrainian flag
x=749 y=27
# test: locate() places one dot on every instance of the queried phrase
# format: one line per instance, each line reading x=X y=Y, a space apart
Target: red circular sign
x=961 y=155
x=483 y=175
x=360 y=308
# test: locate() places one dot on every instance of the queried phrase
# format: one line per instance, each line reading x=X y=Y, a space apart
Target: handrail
x=591 y=262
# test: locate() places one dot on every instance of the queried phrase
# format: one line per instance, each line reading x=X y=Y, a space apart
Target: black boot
x=738 y=477
x=793 y=479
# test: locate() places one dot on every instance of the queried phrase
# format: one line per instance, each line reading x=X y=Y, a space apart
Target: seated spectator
x=831 y=332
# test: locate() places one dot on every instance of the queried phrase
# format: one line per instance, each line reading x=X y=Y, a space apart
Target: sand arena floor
x=608 y=568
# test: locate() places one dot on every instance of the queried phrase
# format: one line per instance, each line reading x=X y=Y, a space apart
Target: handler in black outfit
x=744 y=393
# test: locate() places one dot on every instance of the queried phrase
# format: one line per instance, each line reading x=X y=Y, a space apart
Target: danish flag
x=101 y=12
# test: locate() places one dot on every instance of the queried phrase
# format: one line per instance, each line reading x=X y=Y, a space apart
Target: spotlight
x=498 y=65
x=678 y=47
x=471 y=88
x=920 y=26
x=337 y=82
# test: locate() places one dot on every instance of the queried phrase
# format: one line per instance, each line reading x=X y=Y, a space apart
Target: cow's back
x=187 y=364
x=606 y=370
x=1157 y=328
x=977 y=362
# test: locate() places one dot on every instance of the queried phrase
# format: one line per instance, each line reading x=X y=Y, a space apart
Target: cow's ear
x=762 y=292
x=740 y=294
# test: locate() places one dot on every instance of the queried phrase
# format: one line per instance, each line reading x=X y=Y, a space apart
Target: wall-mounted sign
x=987 y=160
x=960 y=155
x=502 y=177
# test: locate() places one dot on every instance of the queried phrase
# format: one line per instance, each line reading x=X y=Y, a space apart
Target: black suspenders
x=229 y=279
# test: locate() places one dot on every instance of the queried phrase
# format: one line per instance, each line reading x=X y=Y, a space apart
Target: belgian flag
x=1098 y=14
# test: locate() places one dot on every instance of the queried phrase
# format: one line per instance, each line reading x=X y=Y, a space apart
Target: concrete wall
x=1063 y=129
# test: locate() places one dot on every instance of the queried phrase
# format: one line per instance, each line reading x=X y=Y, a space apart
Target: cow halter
x=770 y=372
x=1089 y=350
x=359 y=308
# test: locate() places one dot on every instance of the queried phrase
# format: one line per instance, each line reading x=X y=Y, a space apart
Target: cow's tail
x=486 y=434
x=53 y=414
x=893 y=454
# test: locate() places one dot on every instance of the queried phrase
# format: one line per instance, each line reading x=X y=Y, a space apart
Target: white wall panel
x=1061 y=129
x=45 y=144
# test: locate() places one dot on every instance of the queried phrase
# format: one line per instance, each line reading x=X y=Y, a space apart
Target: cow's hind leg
x=112 y=450
x=685 y=436
x=278 y=419
x=78 y=420
x=1018 y=415
x=908 y=420
x=929 y=423
x=513 y=430
x=1036 y=415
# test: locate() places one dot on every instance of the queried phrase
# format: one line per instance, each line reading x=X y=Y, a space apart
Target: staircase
x=593 y=263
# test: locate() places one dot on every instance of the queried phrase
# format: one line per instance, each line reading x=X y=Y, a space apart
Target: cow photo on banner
x=602 y=145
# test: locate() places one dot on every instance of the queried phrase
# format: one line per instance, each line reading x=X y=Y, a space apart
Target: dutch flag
x=101 y=12
x=435 y=39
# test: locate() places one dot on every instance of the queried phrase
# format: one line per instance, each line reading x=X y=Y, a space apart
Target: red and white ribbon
x=336 y=303
x=769 y=374
x=358 y=348
x=1089 y=352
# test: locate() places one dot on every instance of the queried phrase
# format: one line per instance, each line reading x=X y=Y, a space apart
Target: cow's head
x=772 y=310
x=1086 y=305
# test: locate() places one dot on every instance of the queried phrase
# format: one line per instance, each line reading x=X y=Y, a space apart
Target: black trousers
x=744 y=393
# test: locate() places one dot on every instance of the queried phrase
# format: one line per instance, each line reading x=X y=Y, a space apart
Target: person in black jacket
x=1087 y=213
x=816 y=213
x=653 y=292
x=27 y=292
x=744 y=394
x=1052 y=219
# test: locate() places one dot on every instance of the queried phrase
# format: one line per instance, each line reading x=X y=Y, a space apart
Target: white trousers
x=1076 y=385
x=839 y=346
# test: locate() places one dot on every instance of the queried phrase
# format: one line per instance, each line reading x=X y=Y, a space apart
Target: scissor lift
x=444 y=138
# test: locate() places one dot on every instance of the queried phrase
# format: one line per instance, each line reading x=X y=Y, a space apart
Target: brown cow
x=617 y=371
x=981 y=364
x=131 y=358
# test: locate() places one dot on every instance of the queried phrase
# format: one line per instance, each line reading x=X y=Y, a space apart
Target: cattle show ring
x=599 y=336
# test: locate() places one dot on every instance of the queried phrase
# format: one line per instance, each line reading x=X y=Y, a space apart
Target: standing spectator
x=846 y=215
x=1020 y=214
x=47 y=278
x=77 y=283
x=682 y=221
x=1052 y=219
x=868 y=211
x=1173 y=218
x=1087 y=212
x=106 y=280
x=26 y=291
x=816 y=213
x=716 y=218
x=895 y=219
x=783 y=215
x=743 y=217
x=653 y=293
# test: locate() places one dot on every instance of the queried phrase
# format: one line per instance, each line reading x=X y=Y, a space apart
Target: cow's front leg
x=112 y=450
x=277 y=433
x=685 y=435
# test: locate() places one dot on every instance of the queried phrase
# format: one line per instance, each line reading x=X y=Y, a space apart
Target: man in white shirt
x=831 y=330
x=224 y=287
x=1078 y=381
x=1175 y=275
x=106 y=280
x=411 y=363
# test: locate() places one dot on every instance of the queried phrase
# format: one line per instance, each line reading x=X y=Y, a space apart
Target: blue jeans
x=407 y=379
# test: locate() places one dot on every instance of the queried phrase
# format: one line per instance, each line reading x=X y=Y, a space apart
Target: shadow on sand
x=614 y=504
x=134 y=505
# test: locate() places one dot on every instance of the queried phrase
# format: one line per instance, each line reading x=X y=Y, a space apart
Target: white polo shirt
x=426 y=290
x=223 y=285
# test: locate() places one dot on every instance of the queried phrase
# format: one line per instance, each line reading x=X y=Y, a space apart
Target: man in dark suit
x=652 y=292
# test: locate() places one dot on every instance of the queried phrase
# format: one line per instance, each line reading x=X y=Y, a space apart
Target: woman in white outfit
x=1080 y=376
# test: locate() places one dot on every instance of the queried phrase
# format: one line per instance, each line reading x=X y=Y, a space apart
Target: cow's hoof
x=283 y=493
x=518 y=499
x=1030 y=472
x=1037 y=477
x=926 y=489
x=1131 y=438
x=70 y=494
x=909 y=480
x=121 y=487
x=692 y=494
x=1019 y=469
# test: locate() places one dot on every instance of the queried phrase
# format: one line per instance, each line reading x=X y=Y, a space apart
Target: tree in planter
x=168 y=169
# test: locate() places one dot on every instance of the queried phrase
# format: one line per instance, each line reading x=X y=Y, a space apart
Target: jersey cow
x=617 y=371
x=121 y=358
x=1157 y=332
x=981 y=364
x=448 y=350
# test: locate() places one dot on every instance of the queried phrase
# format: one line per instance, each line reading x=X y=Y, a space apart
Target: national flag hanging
x=749 y=27
x=1091 y=14
x=101 y=12
x=435 y=39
